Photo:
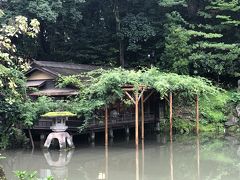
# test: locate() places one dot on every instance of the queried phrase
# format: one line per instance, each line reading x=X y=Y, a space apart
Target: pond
x=208 y=157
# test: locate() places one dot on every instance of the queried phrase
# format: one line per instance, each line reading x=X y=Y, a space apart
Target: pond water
x=207 y=157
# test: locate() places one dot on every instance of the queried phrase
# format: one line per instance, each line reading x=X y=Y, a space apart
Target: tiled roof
x=62 y=68
x=35 y=83
x=55 y=92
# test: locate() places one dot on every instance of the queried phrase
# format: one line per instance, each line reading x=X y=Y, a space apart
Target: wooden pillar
x=142 y=105
x=106 y=126
x=136 y=118
x=171 y=113
x=197 y=115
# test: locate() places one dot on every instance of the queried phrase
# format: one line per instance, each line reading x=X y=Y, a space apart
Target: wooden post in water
x=170 y=111
x=142 y=104
x=106 y=126
x=136 y=118
x=197 y=115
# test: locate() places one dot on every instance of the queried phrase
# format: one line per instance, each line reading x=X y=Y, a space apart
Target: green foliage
x=2 y=174
x=183 y=126
x=203 y=44
x=136 y=29
x=177 y=49
x=14 y=139
x=45 y=10
x=73 y=80
x=186 y=37
x=25 y=175
x=216 y=111
x=12 y=80
x=32 y=110
x=59 y=114
x=170 y=3
x=104 y=87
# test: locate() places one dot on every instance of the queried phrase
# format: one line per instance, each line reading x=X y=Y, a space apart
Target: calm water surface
x=186 y=158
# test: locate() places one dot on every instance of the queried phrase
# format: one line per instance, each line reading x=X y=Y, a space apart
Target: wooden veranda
x=137 y=96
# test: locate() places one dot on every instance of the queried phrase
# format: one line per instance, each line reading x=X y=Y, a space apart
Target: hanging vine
x=103 y=87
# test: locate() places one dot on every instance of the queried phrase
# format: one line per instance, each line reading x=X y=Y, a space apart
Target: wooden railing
x=97 y=122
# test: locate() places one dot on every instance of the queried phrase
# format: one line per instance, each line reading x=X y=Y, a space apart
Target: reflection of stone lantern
x=59 y=169
x=59 y=127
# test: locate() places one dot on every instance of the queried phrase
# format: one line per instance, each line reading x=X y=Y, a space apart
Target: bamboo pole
x=142 y=105
x=170 y=113
x=136 y=118
x=197 y=115
x=106 y=126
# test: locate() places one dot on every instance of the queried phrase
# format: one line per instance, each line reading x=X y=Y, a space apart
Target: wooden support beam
x=197 y=115
x=106 y=126
x=128 y=89
x=139 y=97
x=142 y=107
x=130 y=97
x=148 y=96
x=136 y=118
x=166 y=99
x=170 y=112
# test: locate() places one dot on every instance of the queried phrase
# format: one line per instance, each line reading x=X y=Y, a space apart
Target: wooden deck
x=122 y=121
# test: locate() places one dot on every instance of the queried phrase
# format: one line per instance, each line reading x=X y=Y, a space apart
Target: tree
x=12 y=68
x=177 y=50
x=211 y=35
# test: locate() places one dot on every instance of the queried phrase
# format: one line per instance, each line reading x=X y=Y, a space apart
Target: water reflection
x=106 y=162
x=182 y=158
x=171 y=157
x=59 y=169
x=137 y=162
x=198 y=157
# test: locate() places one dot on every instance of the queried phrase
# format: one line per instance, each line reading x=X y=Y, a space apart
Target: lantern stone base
x=63 y=138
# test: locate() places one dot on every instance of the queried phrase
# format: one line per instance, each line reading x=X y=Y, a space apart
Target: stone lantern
x=59 y=129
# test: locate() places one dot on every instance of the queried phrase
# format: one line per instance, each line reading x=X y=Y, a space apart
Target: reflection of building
x=59 y=169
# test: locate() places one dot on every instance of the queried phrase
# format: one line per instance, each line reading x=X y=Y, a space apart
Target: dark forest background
x=196 y=37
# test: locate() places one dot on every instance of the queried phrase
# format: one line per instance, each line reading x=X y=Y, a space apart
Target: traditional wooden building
x=43 y=76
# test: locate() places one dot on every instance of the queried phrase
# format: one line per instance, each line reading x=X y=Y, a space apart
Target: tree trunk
x=193 y=6
x=118 y=29
x=43 y=42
